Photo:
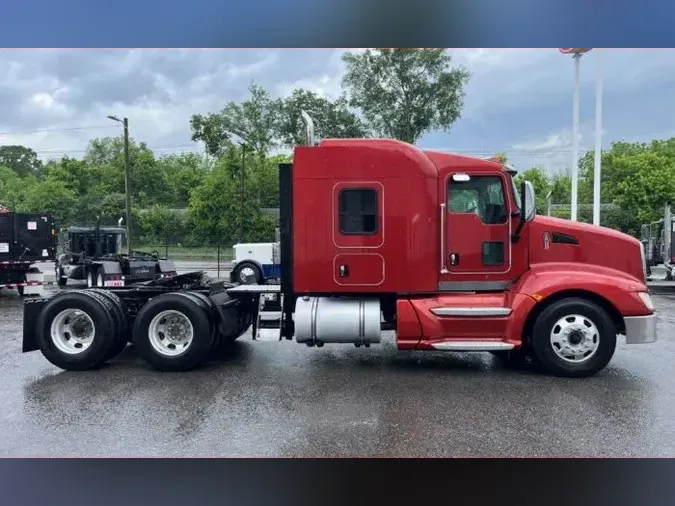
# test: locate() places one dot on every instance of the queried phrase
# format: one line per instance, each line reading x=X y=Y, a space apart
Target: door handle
x=454 y=258
x=344 y=271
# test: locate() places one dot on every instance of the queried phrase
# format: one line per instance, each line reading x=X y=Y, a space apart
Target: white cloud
x=517 y=100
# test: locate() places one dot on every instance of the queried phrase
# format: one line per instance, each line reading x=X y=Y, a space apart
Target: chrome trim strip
x=473 y=346
x=471 y=311
x=473 y=286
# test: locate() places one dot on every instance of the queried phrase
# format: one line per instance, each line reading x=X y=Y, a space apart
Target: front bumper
x=640 y=329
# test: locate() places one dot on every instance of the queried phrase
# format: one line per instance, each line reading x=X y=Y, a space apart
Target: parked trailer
x=93 y=254
x=26 y=239
x=441 y=248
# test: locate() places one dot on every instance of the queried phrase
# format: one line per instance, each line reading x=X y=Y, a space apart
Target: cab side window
x=358 y=211
x=481 y=195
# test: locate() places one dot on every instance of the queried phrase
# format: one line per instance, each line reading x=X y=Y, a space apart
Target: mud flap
x=31 y=311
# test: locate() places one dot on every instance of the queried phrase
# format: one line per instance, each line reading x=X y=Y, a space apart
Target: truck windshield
x=516 y=192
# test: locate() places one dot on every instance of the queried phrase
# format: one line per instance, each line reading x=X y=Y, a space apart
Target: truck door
x=477 y=226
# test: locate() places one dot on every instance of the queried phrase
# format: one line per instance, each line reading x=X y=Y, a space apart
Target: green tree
x=160 y=224
x=254 y=120
x=541 y=184
x=13 y=189
x=332 y=119
x=50 y=196
x=218 y=211
x=148 y=183
x=404 y=93
x=22 y=160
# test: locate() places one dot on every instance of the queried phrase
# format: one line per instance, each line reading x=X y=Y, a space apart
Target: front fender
x=619 y=289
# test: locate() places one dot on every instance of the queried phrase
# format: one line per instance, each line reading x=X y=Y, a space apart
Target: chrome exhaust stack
x=309 y=128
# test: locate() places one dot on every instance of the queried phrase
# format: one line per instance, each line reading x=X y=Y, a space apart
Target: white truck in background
x=256 y=263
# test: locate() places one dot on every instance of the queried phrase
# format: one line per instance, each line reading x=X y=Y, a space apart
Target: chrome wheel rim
x=170 y=333
x=575 y=338
x=245 y=273
x=72 y=331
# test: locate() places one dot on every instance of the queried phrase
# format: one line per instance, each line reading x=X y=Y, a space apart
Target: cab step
x=268 y=322
x=485 y=345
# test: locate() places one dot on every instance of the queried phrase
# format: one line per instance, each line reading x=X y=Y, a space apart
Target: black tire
x=257 y=274
x=543 y=350
x=104 y=332
x=202 y=342
x=118 y=310
x=210 y=309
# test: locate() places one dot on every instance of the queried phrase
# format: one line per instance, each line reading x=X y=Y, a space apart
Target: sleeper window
x=358 y=211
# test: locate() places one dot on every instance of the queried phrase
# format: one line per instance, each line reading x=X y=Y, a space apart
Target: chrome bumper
x=640 y=329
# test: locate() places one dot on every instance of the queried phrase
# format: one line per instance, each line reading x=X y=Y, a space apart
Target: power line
x=58 y=130
x=154 y=149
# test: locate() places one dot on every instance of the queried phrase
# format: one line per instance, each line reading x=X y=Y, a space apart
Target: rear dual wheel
x=175 y=332
x=81 y=330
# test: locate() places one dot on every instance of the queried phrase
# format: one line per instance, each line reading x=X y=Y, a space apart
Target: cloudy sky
x=518 y=101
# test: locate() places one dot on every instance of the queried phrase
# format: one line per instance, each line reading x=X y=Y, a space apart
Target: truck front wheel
x=574 y=338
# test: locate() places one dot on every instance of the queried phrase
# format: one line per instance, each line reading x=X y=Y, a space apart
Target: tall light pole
x=576 y=53
x=598 y=140
x=127 y=190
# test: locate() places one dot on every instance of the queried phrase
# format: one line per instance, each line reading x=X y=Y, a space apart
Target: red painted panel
x=598 y=246
x=408 y=329
x=452 y=327
x=409 y=243
x=362 y=269
x=619 y=288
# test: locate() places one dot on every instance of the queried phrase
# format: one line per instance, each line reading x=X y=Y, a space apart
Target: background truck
x=256 y=263
x=377 y=235
x=93 y=254
x=25 y=240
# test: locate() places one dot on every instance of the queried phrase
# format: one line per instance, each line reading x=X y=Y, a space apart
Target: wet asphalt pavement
x=284 y=399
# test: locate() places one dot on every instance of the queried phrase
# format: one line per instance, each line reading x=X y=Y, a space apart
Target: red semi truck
x=377 y=234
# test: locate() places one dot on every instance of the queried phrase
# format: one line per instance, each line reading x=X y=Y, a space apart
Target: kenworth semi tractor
x=377 y=235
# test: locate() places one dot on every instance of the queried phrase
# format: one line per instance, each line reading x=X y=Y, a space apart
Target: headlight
x=646 y=300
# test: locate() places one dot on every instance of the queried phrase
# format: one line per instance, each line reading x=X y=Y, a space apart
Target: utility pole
x=241 y=190
x=127 y=164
